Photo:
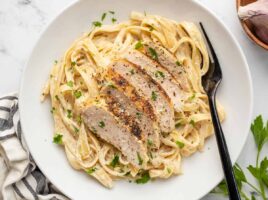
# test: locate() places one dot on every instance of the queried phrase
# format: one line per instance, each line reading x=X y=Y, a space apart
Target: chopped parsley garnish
x=154 y=96
x=69 y=114
x=151 y=28
x=111 y=12
x=103 y=16
x=114 y=20
x=139 y=158
x=192 y=122
x=126 y=174
x=101 y=124
x=53 y=110
x=115 y=161
x=57 y=139
x=177 y=125
x=55 y=62
x=192 y=97
x=70 y=83
x=138 y=45
x=51 y=76
x=91 y=170
x=76 y=130
x=169 y=170
x=97 y=24
x=138 y=115
x=73 y=63
x=153 y=53
x=112 y=86
x=77 y=94
x=178 y=63
x=93 y=129
x=149 y=142
x=144 y=12
x=180 y=144
x=57 y=97
x=145 y=177
x=132 y=71
x=79 y=120
x=159 y=74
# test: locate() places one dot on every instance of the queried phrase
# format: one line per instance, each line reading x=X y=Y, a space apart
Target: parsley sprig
x=259 y=171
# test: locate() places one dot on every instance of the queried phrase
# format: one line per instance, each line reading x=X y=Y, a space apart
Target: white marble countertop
x=21 y=22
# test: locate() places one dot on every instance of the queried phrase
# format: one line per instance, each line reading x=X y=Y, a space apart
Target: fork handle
x=223 y=151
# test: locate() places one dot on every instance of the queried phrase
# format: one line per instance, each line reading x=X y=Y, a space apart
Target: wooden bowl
x=247 y=27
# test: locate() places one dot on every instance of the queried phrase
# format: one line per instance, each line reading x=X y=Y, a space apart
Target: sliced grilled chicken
x=167 y=60
x=140 y=124
x=106 y=126
x=126 y=73
x=159 y=74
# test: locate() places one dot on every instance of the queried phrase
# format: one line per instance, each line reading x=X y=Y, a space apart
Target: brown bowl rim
x=248 y=31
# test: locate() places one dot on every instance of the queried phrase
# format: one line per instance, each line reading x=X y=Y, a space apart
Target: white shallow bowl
x=202 y=171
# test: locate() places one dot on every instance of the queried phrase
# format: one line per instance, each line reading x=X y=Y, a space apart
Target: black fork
x=210 y=82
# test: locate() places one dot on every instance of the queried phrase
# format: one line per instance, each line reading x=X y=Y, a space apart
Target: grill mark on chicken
x=160 y=76
x=115 y=133
x=147 y=88
x=122 y=107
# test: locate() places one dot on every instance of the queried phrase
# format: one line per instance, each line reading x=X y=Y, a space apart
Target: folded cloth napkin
x=20 y=178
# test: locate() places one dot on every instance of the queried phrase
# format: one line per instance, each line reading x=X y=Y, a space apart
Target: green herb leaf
x=260 y=132
x=145 y=177
x=144 y=12
x=253 y=196
x=114 y=20
x=169 y=170
x=221 y=188
x=239 y=176
x=55 y=62
x=149 y=142
x=138 y=45
x=91 y=170
x=57 y=97
x=77 y=94
x=70 y=83
x=192 y=97
x=101 y=124
x=69 y=114
x=177 y=125
x=115 y=161
x=192 y=122
x=180 y=144
x=264 y=171
x=57 y=139
x=139 y=114
x=97 y=24
x=111 y=12
x=153 y=53
x=53 y=109
x=260 y=173
x=154 y=96
x=112 y=86
x=139 y=158
x=73 y=63
x=93 y=129
x=159 y=74
x=76 y=130
x=103 y=16
x=79 y=120
x=132 y=71
x=178 y=63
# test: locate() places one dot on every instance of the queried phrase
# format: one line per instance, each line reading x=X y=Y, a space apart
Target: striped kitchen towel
x=20 y=178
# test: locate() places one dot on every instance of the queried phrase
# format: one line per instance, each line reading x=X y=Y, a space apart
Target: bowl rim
x=248 y=31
